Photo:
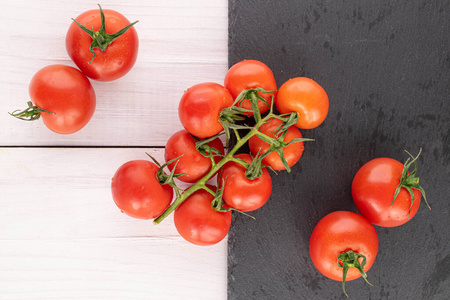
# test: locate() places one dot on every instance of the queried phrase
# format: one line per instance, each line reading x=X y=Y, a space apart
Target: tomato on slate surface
x=374 y=187
x=62 y=96
x=335 y=235
x=307 y=98
x=250 y=74
x=192 y=163
x=200 y=106
x=198 y=223
x=292 y=153
x=240 y=192
x=112 y=54
x=137 y=191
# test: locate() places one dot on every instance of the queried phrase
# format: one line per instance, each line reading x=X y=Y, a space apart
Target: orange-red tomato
x=373 y=190
x=307 y=98
x=250 y=74
x=200 y=106
x=137 y=191
x=118 y=58
x=240 y=192
x=65 y=92
x=198 y=223
x=192 y=163
x=336 y=233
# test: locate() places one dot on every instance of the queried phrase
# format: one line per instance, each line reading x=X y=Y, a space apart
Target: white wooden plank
x=62 y=237
x=181 y=44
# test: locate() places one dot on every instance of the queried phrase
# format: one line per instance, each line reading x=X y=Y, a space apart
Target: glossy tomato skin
x=192 y=162
x=67 y=93
x=137 y=192
x=373 y=189
x=119 y=57
x=250 y=74
x=240 y=192
x=198 y=223
x=337 y=233
x=292 y=153
x=200 y=106
x=307 y=98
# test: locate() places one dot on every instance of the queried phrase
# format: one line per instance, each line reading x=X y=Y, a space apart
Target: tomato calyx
x=31 y=113
x=205 y=149
x=409 y=181
x=101 y=39
x=164 y=178
x=277 y=144
x=349 y=259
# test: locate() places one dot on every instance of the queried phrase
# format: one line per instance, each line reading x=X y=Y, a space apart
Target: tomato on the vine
x=307 y=98
x=192 y=162
x=240 y=192
x=103 y=44
x=343 y=246
x=198 y=223
x=292 y=152
x=251 y=74
x=374 y=189
x=137 y=191
x=200 y=106
x=62 y=96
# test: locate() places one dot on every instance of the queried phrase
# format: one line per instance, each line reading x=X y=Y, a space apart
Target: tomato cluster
x=104 y=46
x=194 y=155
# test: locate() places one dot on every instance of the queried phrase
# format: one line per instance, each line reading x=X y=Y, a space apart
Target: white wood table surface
x=61 y=235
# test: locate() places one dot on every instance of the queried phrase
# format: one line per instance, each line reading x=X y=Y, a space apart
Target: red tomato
x=240 y=192
x=65 y=92
x=192 y=162
x=250 y=74
x=307 y=98
x=337 y=233
x=200 y=108
x=137 y=191
x=119 y=56
x=292 y=153
x=373 y=190
x=198 y=223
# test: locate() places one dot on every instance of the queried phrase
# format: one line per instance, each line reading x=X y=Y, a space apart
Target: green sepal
x=163 y=178
x=349 y=259
x=277 y=144
x=409 y=181
x=205 y=149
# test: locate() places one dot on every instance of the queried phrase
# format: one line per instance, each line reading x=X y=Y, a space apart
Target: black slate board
x=386 y=68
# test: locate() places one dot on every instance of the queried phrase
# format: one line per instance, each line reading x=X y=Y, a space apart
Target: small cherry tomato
x=343 y=243
x=192 y=163
x=99 y=46
x=251 y=74
x=137 y=191
x=374 y=187
x=200 y=107
x=198 y=223
x=292 y=153
x=240 y=192
x=62 y=96
x=307 y=98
